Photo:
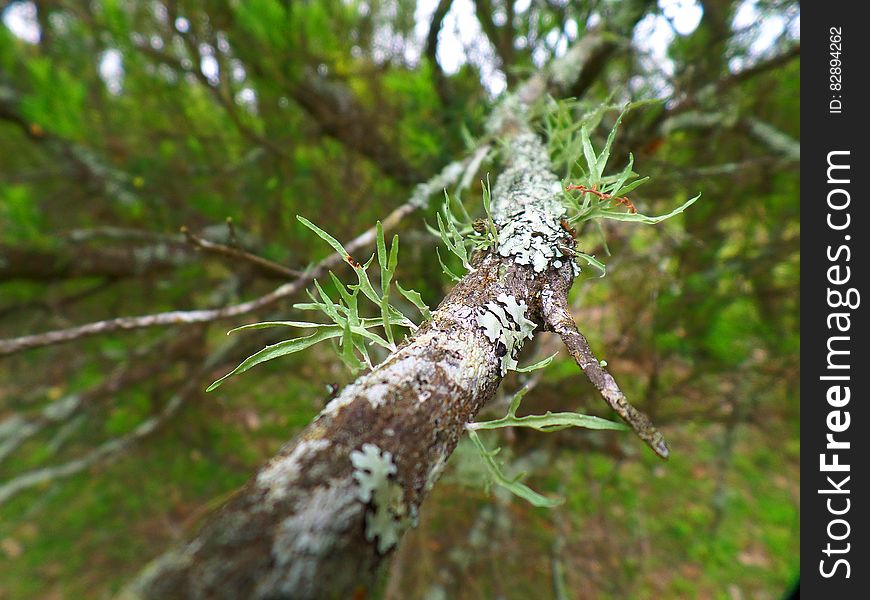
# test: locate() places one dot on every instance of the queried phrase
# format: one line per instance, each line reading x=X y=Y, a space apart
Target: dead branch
x=263 y=264
x=554 y=305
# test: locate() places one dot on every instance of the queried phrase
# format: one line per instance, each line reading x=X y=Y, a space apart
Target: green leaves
x=354 y=333
x=546 y=423
x=513 y=485
x=639 y=218
x=592 y=161
x=571 y=137
x=461 y=235
x=450 y=234
x=336 y=245
x=538 y=365
x=276 y=350
x=592 y=194
x=415 y=299
x=551 y=421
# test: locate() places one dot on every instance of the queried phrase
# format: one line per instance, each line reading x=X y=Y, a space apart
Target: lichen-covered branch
x=554 y=305
x=321 y=517
x=318 y=520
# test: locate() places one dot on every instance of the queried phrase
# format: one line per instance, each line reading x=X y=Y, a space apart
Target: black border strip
x=834 y=231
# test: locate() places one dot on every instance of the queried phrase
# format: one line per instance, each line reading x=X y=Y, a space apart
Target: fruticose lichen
x=505 y=323
x=388 y=516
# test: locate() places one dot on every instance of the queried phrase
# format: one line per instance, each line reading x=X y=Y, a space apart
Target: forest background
x=122 y=122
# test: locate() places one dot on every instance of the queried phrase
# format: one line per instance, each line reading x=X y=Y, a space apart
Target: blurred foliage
x=122 y=121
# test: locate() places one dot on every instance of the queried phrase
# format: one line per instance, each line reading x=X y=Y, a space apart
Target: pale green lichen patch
x=528 y=207
x=504 y=323
x=531 y=239
x=387 y=518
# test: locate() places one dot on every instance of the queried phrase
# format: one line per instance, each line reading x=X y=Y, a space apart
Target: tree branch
x=555 y=311
x=263 y=264
x=607 y=46
x=439 y=79
x=320 y=518
x=501 y=38
x=715 y=90
x=63 y=262
x=339 y=115
x=111 y=181
x=16 y=429
x=419 y=197
x=112 y=448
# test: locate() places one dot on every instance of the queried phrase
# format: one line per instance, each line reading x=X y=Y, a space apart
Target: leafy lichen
x=388 y=516
x=504 y=323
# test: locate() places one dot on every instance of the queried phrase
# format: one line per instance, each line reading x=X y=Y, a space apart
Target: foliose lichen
x=532 y=239
x=504 y=322
x=528 y=207
x=388 y=516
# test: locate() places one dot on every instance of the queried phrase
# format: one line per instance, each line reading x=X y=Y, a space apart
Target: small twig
x=239 y=254
x=557 y=317
x=602 y=196
x=110 y=449
x=17 y=429
x=231 y=228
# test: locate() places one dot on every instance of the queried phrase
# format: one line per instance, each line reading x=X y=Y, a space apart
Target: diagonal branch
x=501 y=37
x=261 y=263
x=554 y=306
x=419 y=198
x=339 y=114
x=714 y=91
x=319 y=519
x=438 y=77
x=607 y=46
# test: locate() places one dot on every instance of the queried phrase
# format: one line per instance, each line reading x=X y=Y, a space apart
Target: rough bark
x=317 y=521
